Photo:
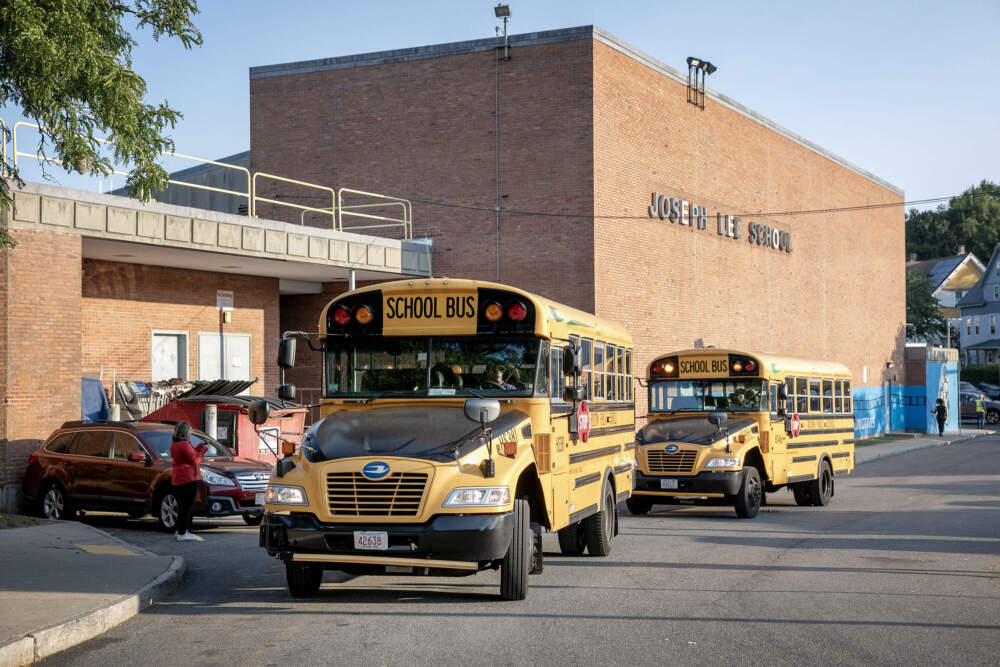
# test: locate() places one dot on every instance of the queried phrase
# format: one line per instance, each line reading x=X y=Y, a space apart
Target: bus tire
x=801 y=493
x=303 y=579
x=821 y=488
x=638 y=505
x=598 y=528
x=747 y=500
x=571 y=542
x=516 y=562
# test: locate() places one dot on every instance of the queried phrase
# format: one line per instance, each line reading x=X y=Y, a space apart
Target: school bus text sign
x=453 y=313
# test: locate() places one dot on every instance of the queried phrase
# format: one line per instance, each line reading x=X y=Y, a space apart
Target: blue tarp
x=94 y=403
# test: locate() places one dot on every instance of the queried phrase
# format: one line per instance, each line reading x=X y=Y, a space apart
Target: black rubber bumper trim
x=726 y=482
x=466 y=537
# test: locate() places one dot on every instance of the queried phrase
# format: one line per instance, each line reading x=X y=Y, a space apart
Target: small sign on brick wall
x=224 y=299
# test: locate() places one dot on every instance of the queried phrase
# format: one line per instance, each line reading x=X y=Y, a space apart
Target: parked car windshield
x=160 y=441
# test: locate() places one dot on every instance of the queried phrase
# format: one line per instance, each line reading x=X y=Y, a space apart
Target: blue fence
x=909 y=406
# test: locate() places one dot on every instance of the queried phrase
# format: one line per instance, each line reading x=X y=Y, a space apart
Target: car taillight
x=32 y=458
x=342 y=315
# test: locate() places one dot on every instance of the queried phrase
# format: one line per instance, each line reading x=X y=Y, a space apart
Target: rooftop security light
x=502 y=11
x=696 y=83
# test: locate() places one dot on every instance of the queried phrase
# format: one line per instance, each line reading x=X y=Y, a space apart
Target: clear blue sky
x=907 y=90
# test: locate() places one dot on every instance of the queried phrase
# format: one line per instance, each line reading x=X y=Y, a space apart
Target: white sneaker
x=189 y=537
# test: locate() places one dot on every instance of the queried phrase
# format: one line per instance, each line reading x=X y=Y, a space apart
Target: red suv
x=125 y=467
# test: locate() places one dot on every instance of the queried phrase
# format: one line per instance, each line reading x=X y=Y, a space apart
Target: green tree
x=67 y=65
x=922 y=308
x=972 y=219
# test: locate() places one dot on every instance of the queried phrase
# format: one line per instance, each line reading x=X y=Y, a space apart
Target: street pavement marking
x=106 y=549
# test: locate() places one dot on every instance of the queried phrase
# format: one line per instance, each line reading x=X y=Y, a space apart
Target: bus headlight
x=723 y=463
x=286 y=495
x=480 y=496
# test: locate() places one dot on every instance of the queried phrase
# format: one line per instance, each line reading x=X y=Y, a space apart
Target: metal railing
x=370 y=208
x=170 y=181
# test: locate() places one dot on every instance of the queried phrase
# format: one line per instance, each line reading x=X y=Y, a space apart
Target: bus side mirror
x=717 y=418
x=286 y=353
x=573 y=394
x=286 y=392
x=482 y=410
x=571 y=361
x=259 y=411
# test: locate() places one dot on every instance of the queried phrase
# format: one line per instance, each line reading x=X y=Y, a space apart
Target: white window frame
x=187 y=349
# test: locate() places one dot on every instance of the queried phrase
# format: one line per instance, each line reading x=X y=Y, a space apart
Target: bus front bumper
x=457 y=538
x=710 y=484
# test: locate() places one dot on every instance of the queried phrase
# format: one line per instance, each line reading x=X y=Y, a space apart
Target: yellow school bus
x=460 y=420
x=727 y=426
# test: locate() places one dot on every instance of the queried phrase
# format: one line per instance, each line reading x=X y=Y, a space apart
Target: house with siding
x=952 y=278
x=979 y=310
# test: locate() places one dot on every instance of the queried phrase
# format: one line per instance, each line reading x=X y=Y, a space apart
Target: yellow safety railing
x=367 y=210
x=170 y=181
x=301 y=207
x=357 y=211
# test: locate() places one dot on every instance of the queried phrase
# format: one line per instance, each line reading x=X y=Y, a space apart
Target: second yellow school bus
x=460 y=420
x=731 y=425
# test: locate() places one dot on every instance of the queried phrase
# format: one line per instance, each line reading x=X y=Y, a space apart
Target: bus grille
x=661 y=462
x=352 y=494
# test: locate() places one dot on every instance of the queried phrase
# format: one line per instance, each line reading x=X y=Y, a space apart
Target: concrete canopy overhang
x=121 y=229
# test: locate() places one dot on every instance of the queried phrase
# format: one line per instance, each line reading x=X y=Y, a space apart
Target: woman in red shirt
x=185 y=476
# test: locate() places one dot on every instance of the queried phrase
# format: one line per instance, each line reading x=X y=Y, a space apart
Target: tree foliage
x=971 y=219
x=67 y=64
x=922 y=308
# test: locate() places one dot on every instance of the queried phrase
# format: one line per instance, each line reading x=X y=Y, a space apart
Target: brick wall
x=674 y=287
x=588 y=130
x=424 y=130
x=40 y=351
x=124 y=303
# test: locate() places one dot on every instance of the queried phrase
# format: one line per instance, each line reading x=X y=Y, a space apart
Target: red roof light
x=517 y=311
x=342 y=315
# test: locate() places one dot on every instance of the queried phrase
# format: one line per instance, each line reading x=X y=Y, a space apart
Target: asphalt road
x=902 y=568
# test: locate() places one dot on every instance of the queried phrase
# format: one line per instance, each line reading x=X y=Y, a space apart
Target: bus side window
x=628 y=375
x=801 y=395
x=611 y=376
x=790 y=395
x=814 y=397
x=598 y=370
x=542 y=381
x=847 y=397
x=838 y=400
x=585 y=347
x=827 y=395
x=621 y=374
x=772 y=398
x=557 y=380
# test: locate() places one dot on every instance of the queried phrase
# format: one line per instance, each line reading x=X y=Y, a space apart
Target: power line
x=546 y=214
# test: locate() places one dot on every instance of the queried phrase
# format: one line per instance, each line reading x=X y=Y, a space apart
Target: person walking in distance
x=185 y=475
x=981 y=411
x=941 y=412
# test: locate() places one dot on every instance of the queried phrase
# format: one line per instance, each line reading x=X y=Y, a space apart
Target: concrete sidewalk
x=65 y=582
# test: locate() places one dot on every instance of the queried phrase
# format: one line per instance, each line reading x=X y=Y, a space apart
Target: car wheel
x=992 y=417
x=638 y=505
x=303 y=579
x=167 y=508
x=516 y=562
x=253 y=519
x=598 y=528
x=571 y=541
x=748 y=498
x=54 y=504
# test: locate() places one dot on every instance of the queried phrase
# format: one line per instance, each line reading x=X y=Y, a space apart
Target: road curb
x=913 y=448
x=42 y=643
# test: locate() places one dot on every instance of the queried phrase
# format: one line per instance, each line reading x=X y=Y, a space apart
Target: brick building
x=590 y=131
x=104 y=283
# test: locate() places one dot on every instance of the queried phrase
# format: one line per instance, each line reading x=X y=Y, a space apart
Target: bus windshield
x=420 y=367
x=708 y=395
